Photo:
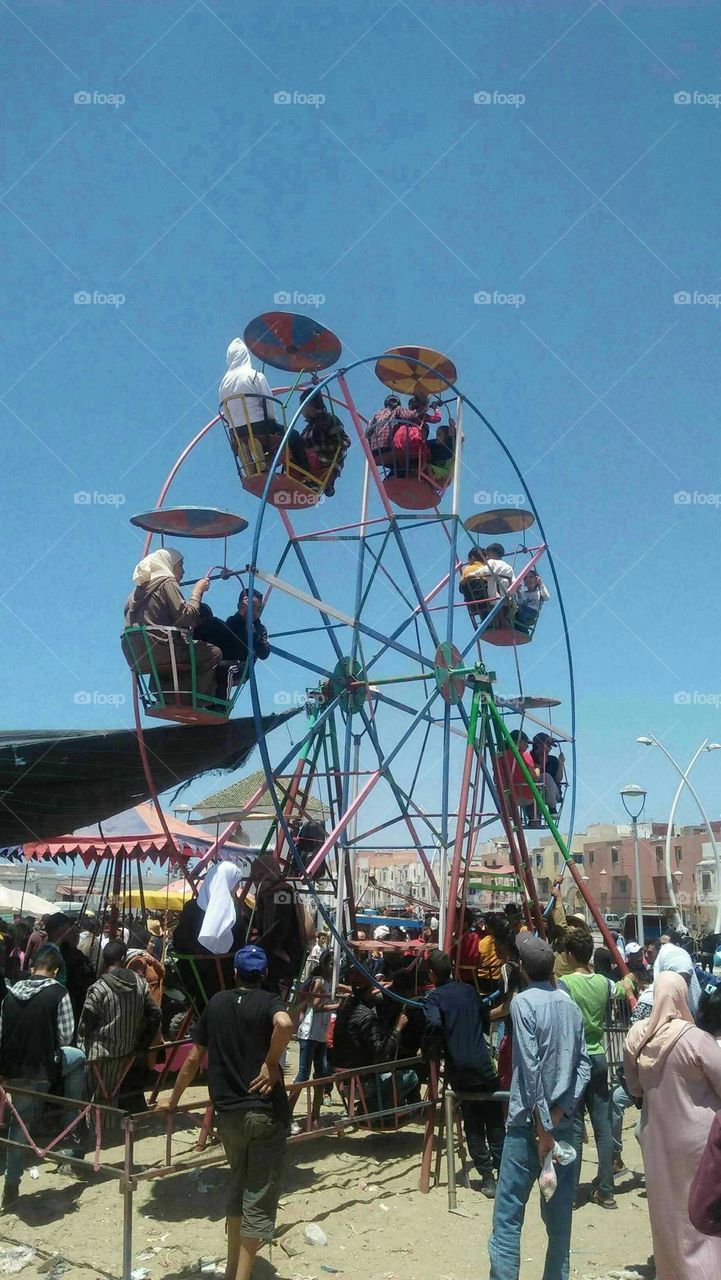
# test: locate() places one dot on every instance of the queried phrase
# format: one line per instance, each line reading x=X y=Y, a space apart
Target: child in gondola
x=322 y=444
x=473 y=585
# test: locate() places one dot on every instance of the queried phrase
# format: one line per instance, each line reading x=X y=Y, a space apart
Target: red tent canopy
x=135 y=833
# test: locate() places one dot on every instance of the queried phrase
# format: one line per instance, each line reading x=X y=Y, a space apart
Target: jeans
x=388 y=1096
x=520 y=1168
x=311 y=1055
x=72 y=1062
x=485 y=1132
x=620 y=1102
x=597 y=1102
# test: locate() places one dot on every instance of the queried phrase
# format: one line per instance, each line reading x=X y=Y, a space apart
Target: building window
x=659 y=853
x=678 y=850
x=705 y=882
x=590 y=856
x=614 y=854
x=578 y=859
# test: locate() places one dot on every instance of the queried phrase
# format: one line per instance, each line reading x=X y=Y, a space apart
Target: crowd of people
x=517 y=1021
x=77 y=1019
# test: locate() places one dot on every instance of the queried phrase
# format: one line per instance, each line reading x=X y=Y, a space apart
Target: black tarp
x=53 y=782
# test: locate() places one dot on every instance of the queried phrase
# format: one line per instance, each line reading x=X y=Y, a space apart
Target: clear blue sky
x=199 y=197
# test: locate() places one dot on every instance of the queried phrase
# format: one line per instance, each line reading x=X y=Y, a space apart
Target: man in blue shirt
x=454 y=1015
x=551 y=1070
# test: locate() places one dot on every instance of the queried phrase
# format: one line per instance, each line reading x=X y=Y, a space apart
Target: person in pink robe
x=676 y=1068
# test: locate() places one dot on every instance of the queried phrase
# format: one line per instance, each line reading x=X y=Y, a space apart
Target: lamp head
x=713 y=746
x=645 y=741
x=633 y=799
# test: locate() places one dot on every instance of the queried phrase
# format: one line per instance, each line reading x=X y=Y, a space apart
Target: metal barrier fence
x=451 y=1126
x=616 y=1030
x=363 y=1102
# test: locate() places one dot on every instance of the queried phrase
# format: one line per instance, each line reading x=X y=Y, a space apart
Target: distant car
x=612 y=920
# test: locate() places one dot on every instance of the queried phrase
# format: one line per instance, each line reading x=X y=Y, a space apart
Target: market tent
x=54 y=781
x=29 y=903
x=133 y=834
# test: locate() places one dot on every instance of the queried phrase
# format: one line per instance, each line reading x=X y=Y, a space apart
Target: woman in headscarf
x=676 y=1068
x=249 y=408
x=670 y=959
x=211 y=929
x=157 y=603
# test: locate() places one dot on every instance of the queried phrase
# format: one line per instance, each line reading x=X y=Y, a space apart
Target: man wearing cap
x=551 y=1070
x=245 y=1032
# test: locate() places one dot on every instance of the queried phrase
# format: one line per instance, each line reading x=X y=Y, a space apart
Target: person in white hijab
x=673 y=959
x=246 y=401
x=216 y=900
x=157 y=603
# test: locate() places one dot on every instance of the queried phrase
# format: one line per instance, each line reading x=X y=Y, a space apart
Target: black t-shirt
x=236 y=1027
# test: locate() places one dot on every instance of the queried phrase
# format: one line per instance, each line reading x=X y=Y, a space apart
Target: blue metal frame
x=425 y=710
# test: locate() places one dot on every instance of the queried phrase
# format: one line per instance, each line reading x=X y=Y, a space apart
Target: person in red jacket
x=410 y=440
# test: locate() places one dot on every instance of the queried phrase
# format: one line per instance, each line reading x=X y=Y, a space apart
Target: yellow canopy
x=170 y=899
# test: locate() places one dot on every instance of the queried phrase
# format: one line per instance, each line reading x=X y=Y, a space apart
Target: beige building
x=388 y=878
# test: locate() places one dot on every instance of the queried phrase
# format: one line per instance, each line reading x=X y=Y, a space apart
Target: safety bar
x=450 y=1099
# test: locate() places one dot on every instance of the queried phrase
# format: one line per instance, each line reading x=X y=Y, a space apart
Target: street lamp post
x=633 y=799
x=648 y=740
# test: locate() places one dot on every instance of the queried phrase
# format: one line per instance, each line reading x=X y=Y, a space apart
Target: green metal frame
x=157 y=698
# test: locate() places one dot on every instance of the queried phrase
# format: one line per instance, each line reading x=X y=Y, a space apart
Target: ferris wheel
x=403 y=739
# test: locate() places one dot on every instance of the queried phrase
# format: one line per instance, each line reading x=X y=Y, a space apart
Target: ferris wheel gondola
x=163 y=659
x=299 y=476
x=414 y=477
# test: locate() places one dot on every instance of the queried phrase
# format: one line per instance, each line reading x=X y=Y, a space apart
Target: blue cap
x=250 y=960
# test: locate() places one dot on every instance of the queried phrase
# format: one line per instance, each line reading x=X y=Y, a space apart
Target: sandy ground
x=361 y=1188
